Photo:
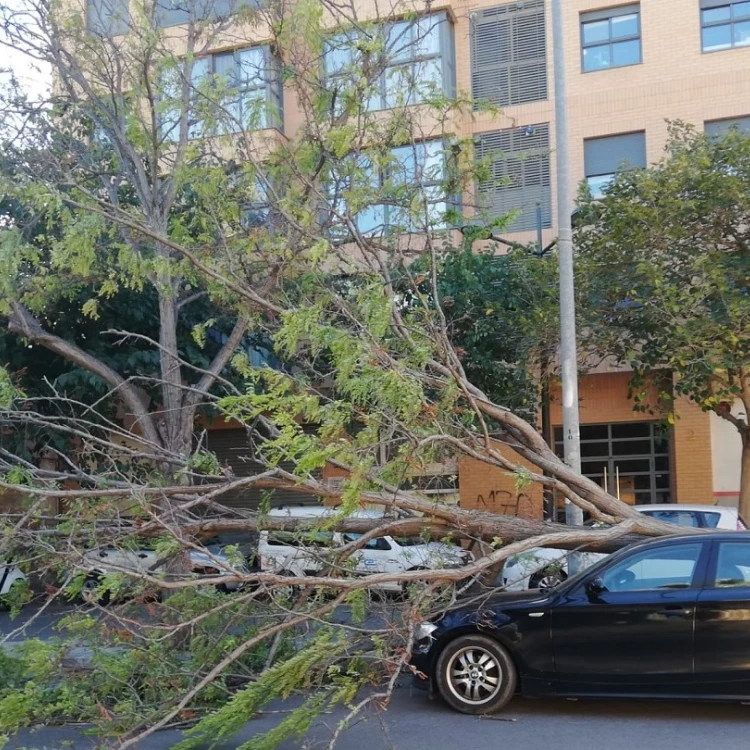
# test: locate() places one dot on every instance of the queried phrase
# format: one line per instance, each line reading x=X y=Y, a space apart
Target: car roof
x=686 y=506
x=720 y=536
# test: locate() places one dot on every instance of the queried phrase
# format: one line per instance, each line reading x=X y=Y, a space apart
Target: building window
x=509 y=54
x=517 y=179
x=412 y=181
x=233 y=91
x=719 y=128
x=611 y=38
x=418 y=61
x=108 y=17
x=630 y=460
x=724 y=24
x=604 y=156
x=177 y=12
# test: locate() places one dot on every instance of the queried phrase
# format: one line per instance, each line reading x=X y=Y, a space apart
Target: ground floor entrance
x=631 y=460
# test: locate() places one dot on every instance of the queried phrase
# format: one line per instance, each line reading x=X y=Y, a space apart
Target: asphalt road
x=413 y=722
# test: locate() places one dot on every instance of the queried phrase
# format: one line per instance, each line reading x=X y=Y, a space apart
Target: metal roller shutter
x=233 y=448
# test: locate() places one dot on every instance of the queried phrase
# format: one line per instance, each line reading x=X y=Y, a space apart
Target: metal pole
x=568 y=353
x=549 y=495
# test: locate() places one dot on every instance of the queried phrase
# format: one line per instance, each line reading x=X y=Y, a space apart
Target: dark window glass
x=631 y=447
x=594 y=432
x=631 y=430
x=594 y=450
x=634 y=466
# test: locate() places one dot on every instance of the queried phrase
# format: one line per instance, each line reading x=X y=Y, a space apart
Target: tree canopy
x=664 y=263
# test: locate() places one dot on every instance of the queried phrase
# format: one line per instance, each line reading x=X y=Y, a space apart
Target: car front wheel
x=475 y=675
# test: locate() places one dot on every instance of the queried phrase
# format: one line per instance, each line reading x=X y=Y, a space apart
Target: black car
x=668 y=618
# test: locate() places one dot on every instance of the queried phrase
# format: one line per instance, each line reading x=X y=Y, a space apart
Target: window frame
x=712 y=5
x=383 y=175
x=441 y=23
x=270 y=86
x=607 y=15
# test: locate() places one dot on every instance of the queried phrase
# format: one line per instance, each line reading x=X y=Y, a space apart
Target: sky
x=33 y=77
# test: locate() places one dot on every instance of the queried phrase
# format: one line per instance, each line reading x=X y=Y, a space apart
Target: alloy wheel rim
x=474 y=675
x=549 y=582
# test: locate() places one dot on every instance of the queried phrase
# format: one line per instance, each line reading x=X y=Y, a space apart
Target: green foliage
x=664 y=263
x=503 y=318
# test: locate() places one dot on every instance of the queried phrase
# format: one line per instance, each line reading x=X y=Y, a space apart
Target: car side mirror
x=595 y=587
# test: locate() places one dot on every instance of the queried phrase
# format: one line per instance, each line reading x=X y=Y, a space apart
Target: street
x=413 y=722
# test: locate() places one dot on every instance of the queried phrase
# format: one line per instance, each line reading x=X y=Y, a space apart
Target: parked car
x=667 y=618
x=545 y=567
x=11 y=577
x=213 y=562
x=301 y=554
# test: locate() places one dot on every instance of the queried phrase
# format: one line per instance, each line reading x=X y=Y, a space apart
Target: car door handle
x=677 y=610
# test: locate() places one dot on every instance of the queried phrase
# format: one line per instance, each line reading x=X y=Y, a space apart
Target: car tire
x=474 y=674
x=89 y=592
x=547 y=579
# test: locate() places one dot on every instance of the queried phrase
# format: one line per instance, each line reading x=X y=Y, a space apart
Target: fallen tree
x=322 y=253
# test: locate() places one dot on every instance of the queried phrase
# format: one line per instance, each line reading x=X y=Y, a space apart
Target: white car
x=301 y=554
x=10 y=576
x=111 y=559
x=545 y=567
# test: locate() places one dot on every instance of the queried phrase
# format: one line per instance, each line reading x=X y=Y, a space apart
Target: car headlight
x=424 y=630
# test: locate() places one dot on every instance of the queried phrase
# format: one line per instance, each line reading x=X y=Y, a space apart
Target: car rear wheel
x=475 y=675
x=547 y=579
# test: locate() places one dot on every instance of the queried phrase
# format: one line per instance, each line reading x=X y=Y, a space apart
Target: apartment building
x=630 y=68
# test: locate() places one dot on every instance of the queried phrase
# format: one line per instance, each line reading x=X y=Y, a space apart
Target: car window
x=379 y=543
x=689 y=518
x=306 y=539
x=671 y=567
x=733 y=565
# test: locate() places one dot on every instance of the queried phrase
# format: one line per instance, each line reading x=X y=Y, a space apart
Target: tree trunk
x=745 y=480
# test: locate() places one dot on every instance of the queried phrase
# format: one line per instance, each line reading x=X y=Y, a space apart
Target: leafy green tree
x=664 y=264
x=503 y=317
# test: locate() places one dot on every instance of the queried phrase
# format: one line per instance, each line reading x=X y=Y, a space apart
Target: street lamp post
x=568 y=352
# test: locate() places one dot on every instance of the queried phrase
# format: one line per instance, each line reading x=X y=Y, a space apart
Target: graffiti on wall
x=507 y=503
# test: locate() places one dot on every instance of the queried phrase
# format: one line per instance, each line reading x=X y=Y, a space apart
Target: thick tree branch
x=23 y=323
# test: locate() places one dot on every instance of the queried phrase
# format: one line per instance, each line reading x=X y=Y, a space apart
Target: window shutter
x=519 y=175
x=606 y=155
x=509 y=53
